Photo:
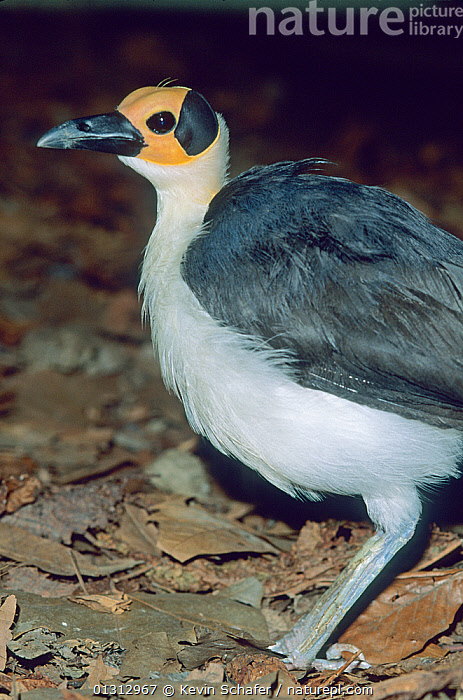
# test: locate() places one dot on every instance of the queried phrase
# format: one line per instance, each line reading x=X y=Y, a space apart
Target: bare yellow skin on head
x=140 y=105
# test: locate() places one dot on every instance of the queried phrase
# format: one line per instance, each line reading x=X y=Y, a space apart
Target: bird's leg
x=309 y=634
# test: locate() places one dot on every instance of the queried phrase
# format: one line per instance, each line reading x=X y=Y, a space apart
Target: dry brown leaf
x=69 y=510
x=99 y=672
x=116 y=457
x=135 y=530
x=190 y=531
x=212 y=673
x=210 y=611
x=21 y=545
x=151 y=652
x=431 y=651
x=5 y=681
x=25 y=684
x=20 y=490
x=31 y=580
x=414 y=686
x=309 y=539
x=7 y=613
x=440 y=546
x=115 y=603
x=409 y=613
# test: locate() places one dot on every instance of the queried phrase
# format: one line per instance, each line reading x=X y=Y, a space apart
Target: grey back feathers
x=352 y=282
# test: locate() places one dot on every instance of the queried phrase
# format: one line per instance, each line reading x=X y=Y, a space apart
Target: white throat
x=183 y=196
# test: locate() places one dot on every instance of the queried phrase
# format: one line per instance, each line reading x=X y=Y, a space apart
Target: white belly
x=242 y=398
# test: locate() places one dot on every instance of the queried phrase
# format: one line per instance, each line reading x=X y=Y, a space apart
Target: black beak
x=109 y=133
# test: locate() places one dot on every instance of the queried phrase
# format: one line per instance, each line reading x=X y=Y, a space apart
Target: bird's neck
x=183 y=196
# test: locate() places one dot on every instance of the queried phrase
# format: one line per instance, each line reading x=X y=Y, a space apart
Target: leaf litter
x=7 y=614
x=92 y=449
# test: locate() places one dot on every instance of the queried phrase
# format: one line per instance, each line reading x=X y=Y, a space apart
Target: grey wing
x=360 y=289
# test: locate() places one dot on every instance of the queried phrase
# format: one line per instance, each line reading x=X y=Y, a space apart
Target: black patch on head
x=197 y=125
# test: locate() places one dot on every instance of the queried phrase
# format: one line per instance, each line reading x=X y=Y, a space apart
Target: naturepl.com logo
x=439 y=19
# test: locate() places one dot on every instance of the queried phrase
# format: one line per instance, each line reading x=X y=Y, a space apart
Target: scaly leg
x=309 y=634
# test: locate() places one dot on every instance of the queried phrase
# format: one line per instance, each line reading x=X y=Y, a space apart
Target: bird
x=312 y=326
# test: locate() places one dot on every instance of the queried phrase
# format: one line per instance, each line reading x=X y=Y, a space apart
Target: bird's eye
x=161 y=122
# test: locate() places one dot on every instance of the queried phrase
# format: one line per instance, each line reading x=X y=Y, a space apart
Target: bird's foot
x=334 y=659
x=295 y=659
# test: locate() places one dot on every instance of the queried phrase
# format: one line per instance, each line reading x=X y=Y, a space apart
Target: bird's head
x=169 y=127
